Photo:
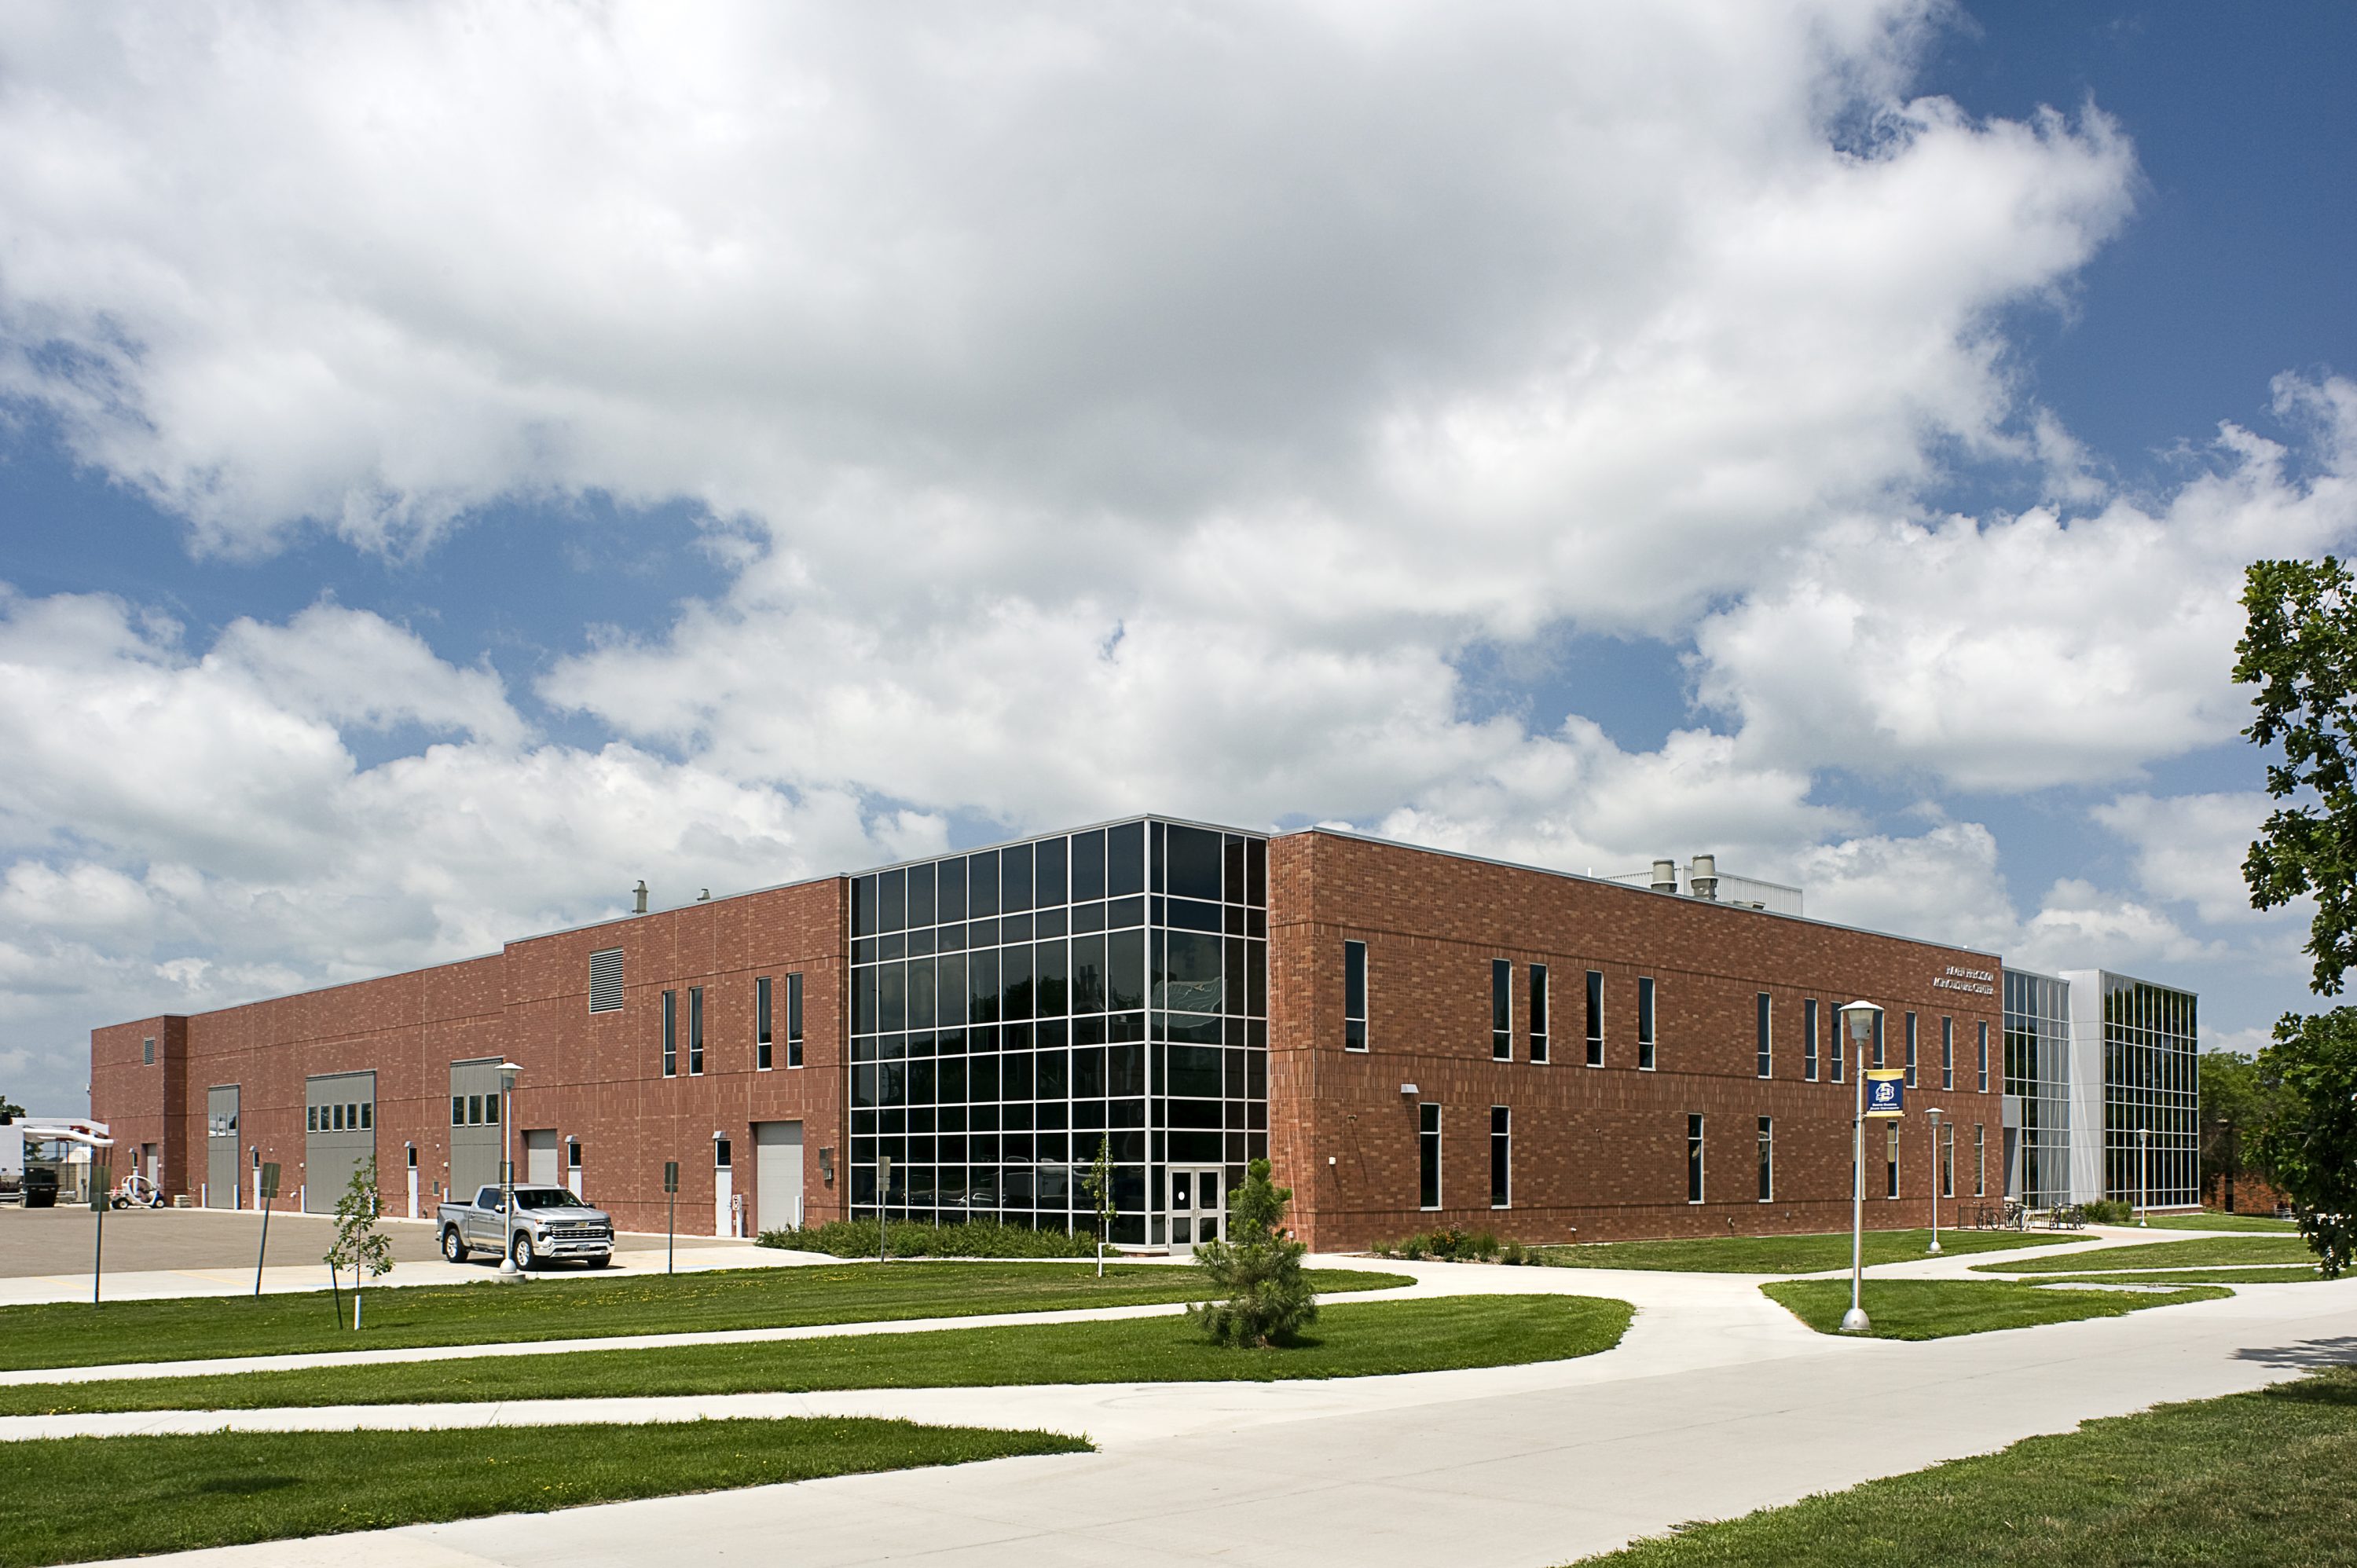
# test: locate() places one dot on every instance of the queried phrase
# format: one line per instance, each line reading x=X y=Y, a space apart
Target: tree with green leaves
x=2299 y=649
x=1259 y=1267
x=2236 y=1102
x=359 y=1246
x=1098 y=1184
x=2308 y=1146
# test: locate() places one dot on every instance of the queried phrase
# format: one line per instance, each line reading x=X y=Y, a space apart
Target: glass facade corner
x=2037 y=1074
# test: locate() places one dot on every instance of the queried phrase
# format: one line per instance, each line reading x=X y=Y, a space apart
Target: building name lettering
x=1979 y=982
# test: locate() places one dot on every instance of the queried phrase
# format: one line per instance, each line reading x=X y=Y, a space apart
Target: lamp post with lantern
x=508 y=1072
x=1858 y=1018
x=1934 y=1115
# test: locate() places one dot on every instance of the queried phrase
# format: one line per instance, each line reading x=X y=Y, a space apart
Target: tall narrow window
x=1890 y=1159
x=762 y=1037
x=1911 y=1050
x=1809 y=1039
x=1947 y=1053
x=1947 y=1159
x=1767 y=1159
x=793 y=1020
x=147 y=1051
x=606 y=980
x=695 y=1031
x=1877 y=1042
x=1645 y=1023
x=1595 y=1017
x=1980 y=1160
x=1502 y=1009
x=1428 y=1155
x=1983 y=1055
x=1502 y=1157
x=671 y=1034
x=1765 y=1043
x=1538 y=1013
x=1837 y=1044
x=1694 y=1159
x=1354 y=997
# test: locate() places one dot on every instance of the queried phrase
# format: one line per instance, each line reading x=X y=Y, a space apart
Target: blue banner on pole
x=1886 y=1093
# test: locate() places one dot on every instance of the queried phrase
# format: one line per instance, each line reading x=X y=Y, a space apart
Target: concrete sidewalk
x=1712 y=1409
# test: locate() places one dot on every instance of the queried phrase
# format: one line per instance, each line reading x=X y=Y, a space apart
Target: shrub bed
x=1452 y=1246
x=974 y=1239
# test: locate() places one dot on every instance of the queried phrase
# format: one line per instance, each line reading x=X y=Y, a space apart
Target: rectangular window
x=1538 y=1013
x=1694 y=1159
x=1354 y=997
x=671 y=1034
x=490 y=1110
x=1502 y=1009
x=1428 y=1185
x=1838 y=1044
x=473 y=1110
x=1767 y=1160
x=695 y=1031
x=1809 y=1039
x=762 y=1034
x=1980 y=1160
x=457 y=1110
x=147 y=1051
x=1645 y=1023
x=606 y=980
x=1890 y=1159
x=1983 y=1057
x=1595 y=1018
x=311 y=1119
x=1877 y=1042
x=1765 y=1044
x=1947 y=1159
x=1502 y=1157
x=368 y=1115
x=793 y=1020
x=1911 y=1050
x=1947 y=1053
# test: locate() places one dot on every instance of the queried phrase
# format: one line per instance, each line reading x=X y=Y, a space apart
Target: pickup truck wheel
x=453 y=1248
x=595 y=1261
x=522 y=1252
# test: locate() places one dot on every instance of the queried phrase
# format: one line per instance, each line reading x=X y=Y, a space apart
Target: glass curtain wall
x=2150 y=1084
x=2038 y=1070
x=1012 y=1008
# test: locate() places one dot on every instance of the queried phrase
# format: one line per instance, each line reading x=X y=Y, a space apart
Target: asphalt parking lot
x=43 y=1241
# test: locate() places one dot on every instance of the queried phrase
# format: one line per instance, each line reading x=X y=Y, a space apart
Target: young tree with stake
x=359 y=1246
x=1098 y=1184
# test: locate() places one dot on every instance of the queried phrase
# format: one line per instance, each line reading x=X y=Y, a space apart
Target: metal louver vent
x=606 y=980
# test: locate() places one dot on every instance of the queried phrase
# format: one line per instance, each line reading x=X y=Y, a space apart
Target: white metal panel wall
x=2086 y=1083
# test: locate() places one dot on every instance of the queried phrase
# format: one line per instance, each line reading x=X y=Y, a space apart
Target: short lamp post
x=1858 y=1018
x=508 y=1071
x=2144 y=1173
x=1934 y=1115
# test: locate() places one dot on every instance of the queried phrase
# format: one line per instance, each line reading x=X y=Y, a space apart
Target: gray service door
x=777 y=1176
x=474 y=1124
x=540 y=1156
x=222 y=1168
x=339 y=1135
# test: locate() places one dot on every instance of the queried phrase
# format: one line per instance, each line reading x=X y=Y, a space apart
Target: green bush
x=1453 y=1246
x=2107 y=1211
x=974 y=1239
x=1259 y=1266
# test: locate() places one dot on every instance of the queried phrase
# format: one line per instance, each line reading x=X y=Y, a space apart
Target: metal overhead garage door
x=220 y=1146
x=339 y=1135
x=474 y=1124
x=777 y=1176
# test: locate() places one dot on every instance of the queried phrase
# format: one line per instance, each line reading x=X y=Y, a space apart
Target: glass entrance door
x=1198 y=1207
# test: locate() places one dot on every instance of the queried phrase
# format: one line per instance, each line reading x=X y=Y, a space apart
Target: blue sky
x=717 y=454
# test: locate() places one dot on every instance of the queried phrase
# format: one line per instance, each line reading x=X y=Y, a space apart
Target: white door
x=540 y=1156
x=777 y=1176
x=724 y=1190
x=1198 y=1209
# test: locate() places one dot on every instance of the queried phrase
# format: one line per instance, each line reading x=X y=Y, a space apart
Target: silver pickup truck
x=551 y=1226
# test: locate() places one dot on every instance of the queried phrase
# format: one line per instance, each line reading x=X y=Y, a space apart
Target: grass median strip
x=2289 y=1274
x=78 y=1499
x=1348 y=1340
x=193 y=1329
x=1938 y=1309
x=2209 y=1221
x=2177 y=1484
x=2200 y=1253
x=1784 y=1254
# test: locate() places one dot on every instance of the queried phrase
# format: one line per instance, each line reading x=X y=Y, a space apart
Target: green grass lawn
x=76 y=1499
x=1348 y=1340
x=78 y=1335
x=1784 y=1254
x=2292 y=1273
x=2208 y=1219
x=2265 y=1478
x=2222 y=1252
x=1937 y=1309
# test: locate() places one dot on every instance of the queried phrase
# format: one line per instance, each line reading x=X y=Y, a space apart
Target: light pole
x=1934 y=1113
x=2144 y=1173
x=508 y=1071
x=1858 y=1018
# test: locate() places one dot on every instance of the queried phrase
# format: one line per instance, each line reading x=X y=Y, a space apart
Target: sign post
x=883 y=1220
x=265 y=1186
x=1859 y=1018
x=100 y=1174
x=671 y=1194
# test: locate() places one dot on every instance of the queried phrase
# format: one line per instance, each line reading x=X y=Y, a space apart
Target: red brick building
x=1413 y=1038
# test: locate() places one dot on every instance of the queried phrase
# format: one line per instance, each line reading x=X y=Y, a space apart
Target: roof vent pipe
x=638 y=900
x=1665 y=876
x=704 y=896
x=1704 y=877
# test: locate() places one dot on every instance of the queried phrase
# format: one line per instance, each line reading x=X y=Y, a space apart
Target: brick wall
x=1599 y=1153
